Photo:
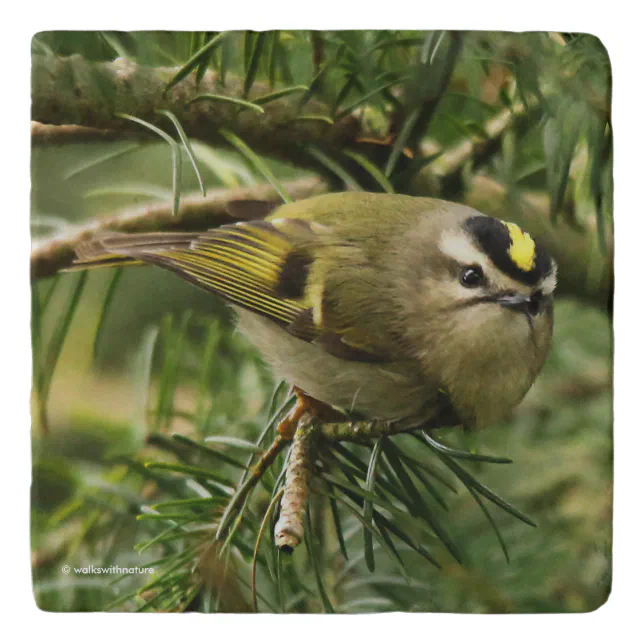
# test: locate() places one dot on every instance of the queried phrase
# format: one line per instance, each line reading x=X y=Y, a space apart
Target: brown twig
x=289 y=530
x=48 y=135
x=361 y=431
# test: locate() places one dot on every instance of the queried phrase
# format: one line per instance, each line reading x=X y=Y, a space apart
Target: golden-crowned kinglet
x=391 y=307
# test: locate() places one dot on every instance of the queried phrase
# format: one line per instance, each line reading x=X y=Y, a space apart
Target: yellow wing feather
x=261 y=266
x=245 y=263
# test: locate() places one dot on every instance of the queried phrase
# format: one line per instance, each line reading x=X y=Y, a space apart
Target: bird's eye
x=472 y=276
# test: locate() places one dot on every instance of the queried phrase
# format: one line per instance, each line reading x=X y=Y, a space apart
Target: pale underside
x=388 y=391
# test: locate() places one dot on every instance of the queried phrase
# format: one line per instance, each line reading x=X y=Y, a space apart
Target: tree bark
x=74 y=92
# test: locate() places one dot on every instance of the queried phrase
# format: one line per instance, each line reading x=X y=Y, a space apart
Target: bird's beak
x=515 y=301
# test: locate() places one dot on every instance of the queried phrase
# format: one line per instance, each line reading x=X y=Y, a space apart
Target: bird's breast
x=380 y=391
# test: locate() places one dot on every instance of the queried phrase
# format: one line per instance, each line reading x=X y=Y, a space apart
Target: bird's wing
x=261 y=266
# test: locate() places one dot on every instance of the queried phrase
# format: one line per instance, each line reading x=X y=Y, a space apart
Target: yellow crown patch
x=522 y=250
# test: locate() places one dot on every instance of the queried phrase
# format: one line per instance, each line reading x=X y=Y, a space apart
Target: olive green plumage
x=405 y=309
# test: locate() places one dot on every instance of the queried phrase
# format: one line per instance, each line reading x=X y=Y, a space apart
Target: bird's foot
x=306 y=404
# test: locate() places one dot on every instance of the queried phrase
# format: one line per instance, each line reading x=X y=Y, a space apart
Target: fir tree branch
x=195 y=213
x=74 y=91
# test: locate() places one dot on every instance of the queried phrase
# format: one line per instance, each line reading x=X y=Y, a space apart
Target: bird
x=409 y=310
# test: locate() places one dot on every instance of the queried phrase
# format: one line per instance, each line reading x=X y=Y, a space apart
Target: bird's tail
x=129 y=249
x=120 y=249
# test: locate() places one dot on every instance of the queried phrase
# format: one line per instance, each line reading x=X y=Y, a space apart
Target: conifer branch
x=54 y=254
x=73 y=91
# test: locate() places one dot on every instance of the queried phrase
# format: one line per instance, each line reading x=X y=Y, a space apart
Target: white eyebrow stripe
x=549 y=282
x=462 y=250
